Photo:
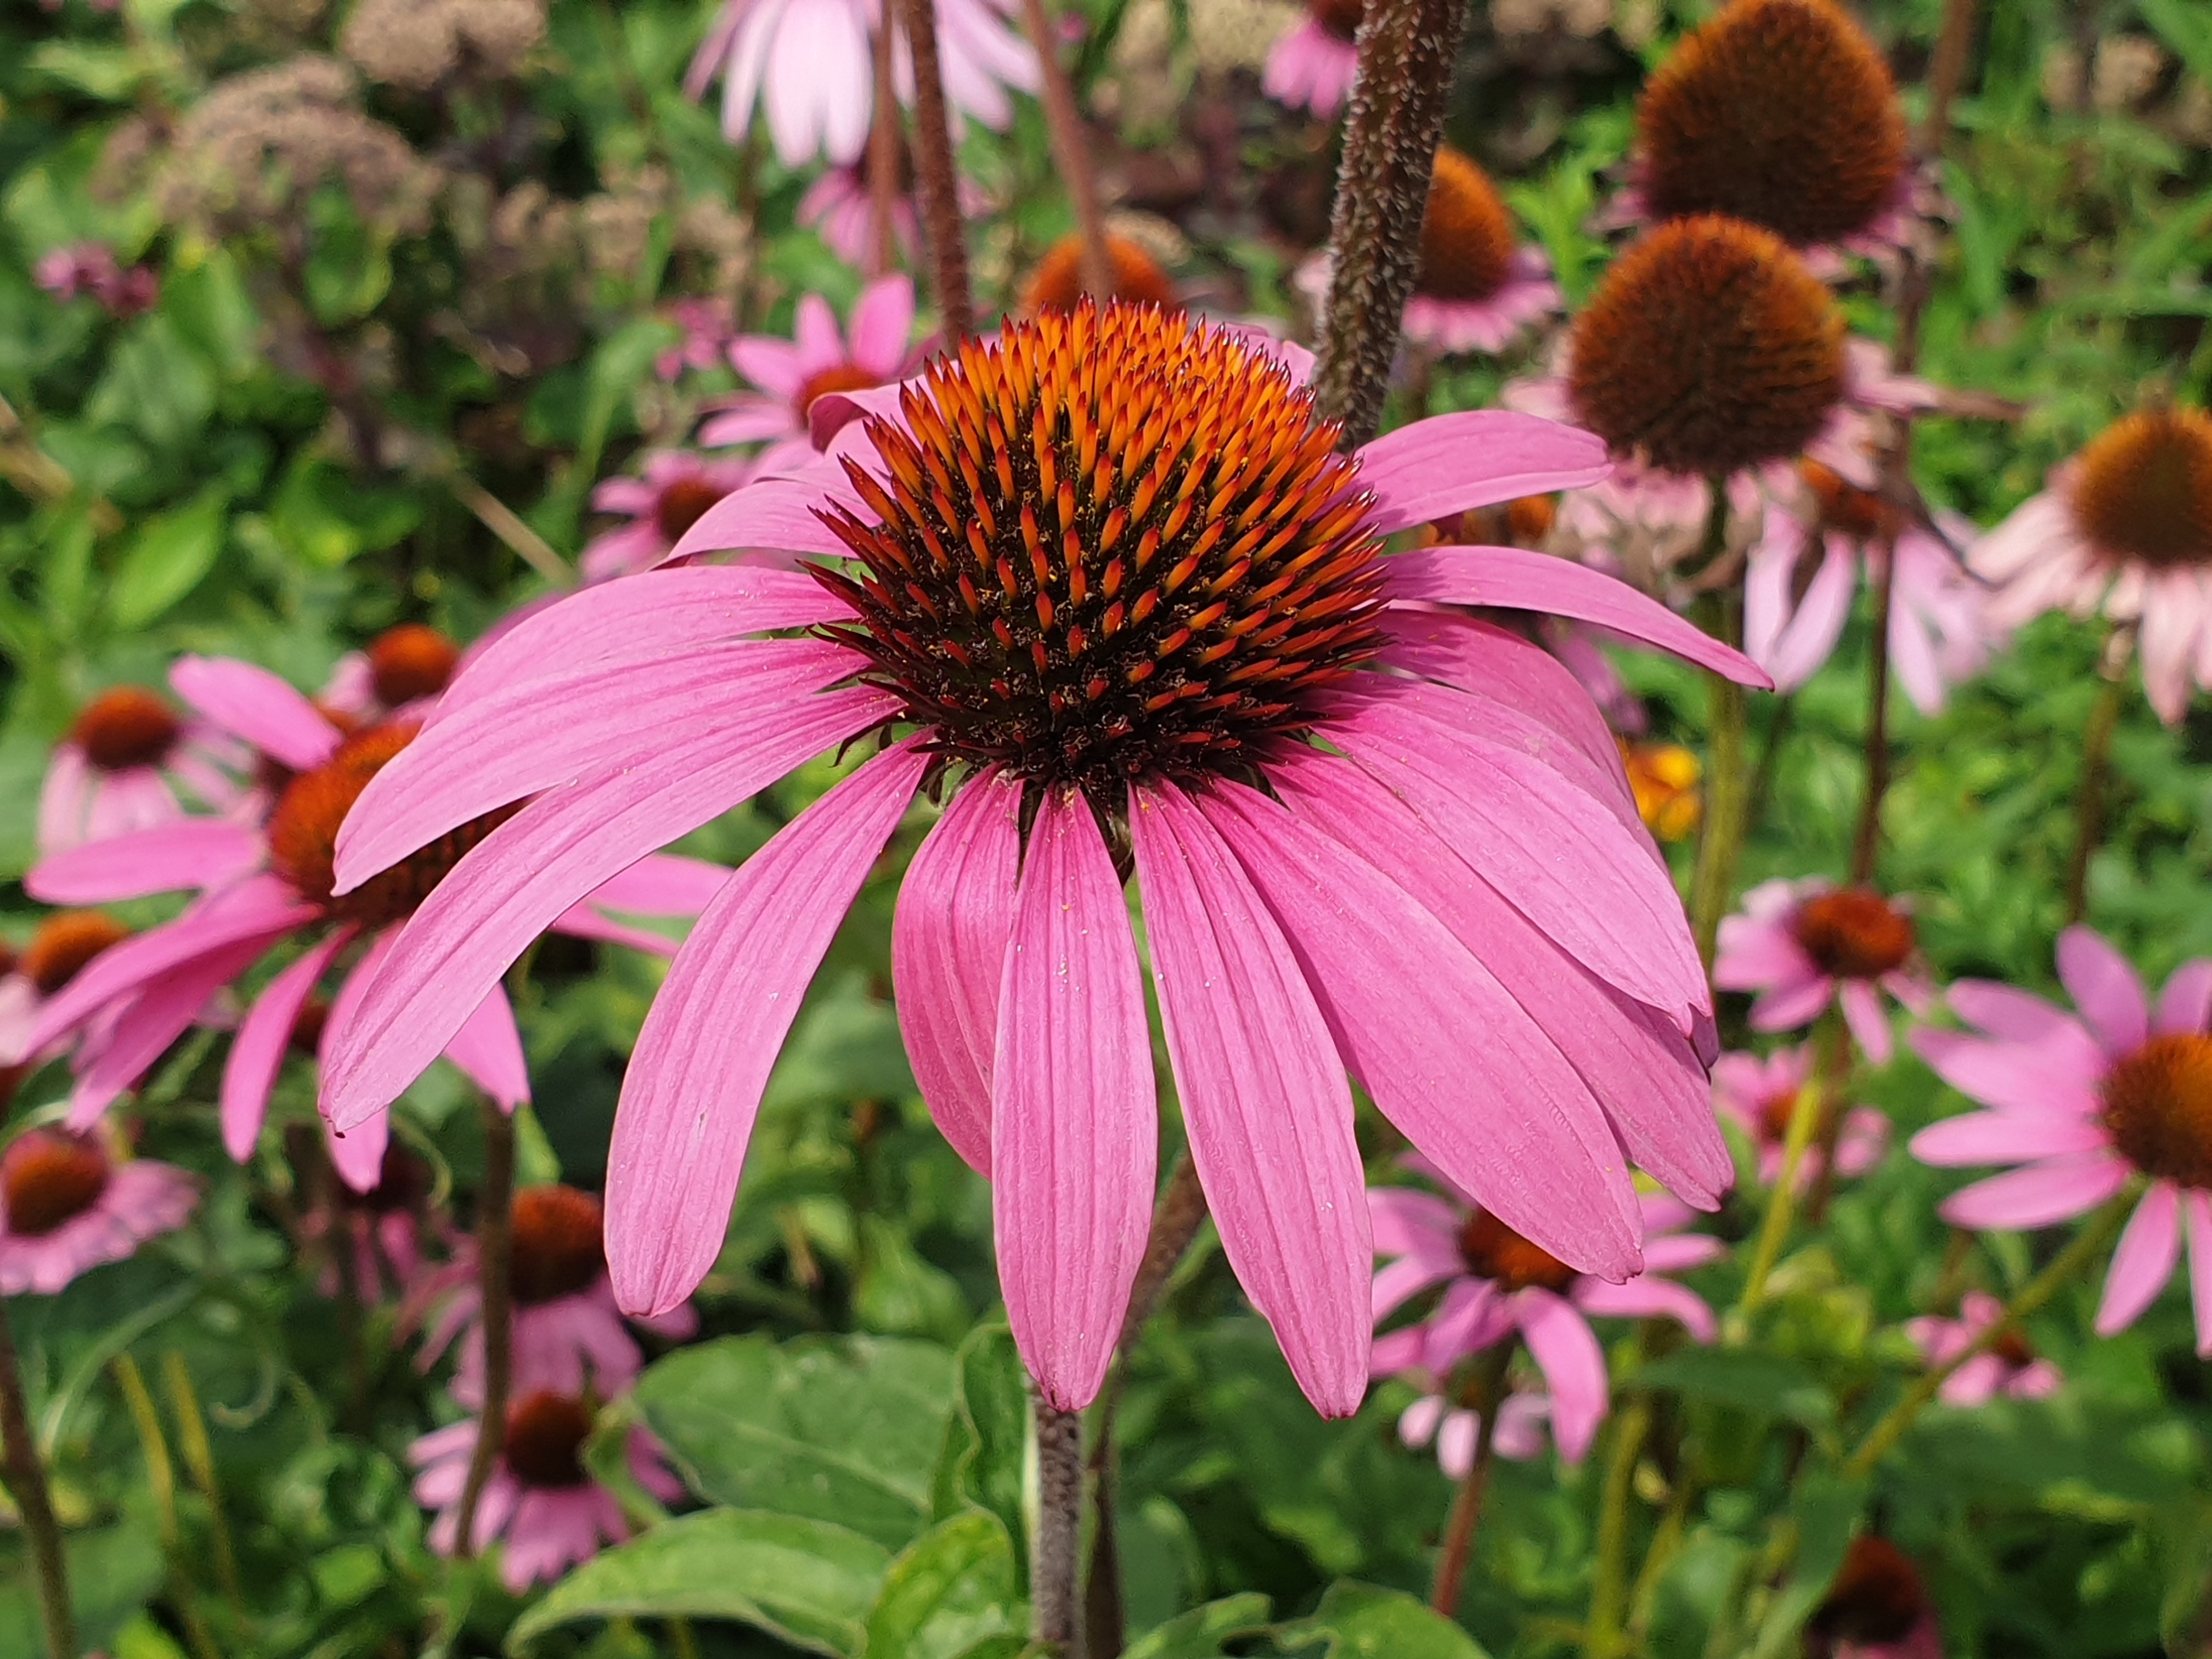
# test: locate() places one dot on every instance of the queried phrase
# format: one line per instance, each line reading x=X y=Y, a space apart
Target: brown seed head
x=1117 y=545
x=125 y=726
x=2158 y=1104
x=1853 y=932
x=560 y=1245
x=409 y=662
x=545 y=1437
x=48 y=1178
x=1056 y=284
x=1494 y=1251
x=2143 y=490
x=1467 y=235
x=1709 y=347
x=1778 y=111
x=1878 y=1596
x=682 y=503
x=66 y=942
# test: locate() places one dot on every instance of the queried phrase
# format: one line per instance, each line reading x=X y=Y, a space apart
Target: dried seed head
x=560 y=1245
x=1494 y=1251
x=1876 y=1599
x=48 y=1178
x=1853 y=932
x=1114 y=545
x=1776 y=111
x=1467 y=235
x=1056 y=284
x=2158 y=1105
x=545 y=1437
x=2143 y=490
x=66 y=942
x=410 y=662
x=125 y=726
x=1710 y=347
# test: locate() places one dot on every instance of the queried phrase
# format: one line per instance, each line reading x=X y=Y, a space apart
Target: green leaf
x=806 y=1582
x=166 y=559
x=1201 y=1632
x=155 y=383
x=111 y=1573
x=1362 y=1621
x=2185 y=28
x=988 y=1440
x=1761 y=1383
x=1826 y=1513
x=952 y=1588
x=843 y=1429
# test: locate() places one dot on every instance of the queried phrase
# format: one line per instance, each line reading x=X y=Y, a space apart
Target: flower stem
x=937 y=179
x=884 y=142
x=26 y=1481
x=1071 y=153
x=2103 y=1227
x=2096 y=759
x=1054 y=1551
x=1408 y=49
x=1601 y=1631
x=1727 y=786
x=1484 y=1390
x=1867 y=840
x=199 y=1459
x=494 y=1254
x=1805 y=1116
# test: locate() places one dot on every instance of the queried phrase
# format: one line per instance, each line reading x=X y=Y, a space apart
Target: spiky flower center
x=1877 y=1598
x=1114 y=545
x=1710 y=347
x=2158 y=1105
x=1853 y=932
x=1494 y=1251
x=409 y=662
x=1858 y=513
x=2143 y=490
x=65 y=944
x=125 y=726
x=303 y=833
x=682 y=503
x=545 y=1437
x=1341 y=18
x=1467 y=235
x=1056 y=284
x=560 y=1245
x=48 y=1179
x=1778 y=111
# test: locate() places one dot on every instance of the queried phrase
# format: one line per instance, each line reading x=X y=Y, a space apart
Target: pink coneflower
x=819 y=359
x=540 y=1498
x=2086 y=1103
x=2124 y=527
x=1522 y=1420
x=810 y=63
x=1802 y=575
x=674 y=493
x=1877 y=1609
x=66 y=1207
x=841 y=207
x=1497 y=1283
x=155 y=984
x=1801 y=945
x=1099 y=635
x=2010 y=1368
x=118 y=767
x=90 y=268
x=1312 y=66
x=707 y=334
x=63 y=944
x=1759 y=1096
x=402 y=670
x=372 y=1239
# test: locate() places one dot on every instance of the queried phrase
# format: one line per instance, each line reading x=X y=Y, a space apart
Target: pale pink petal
x=1399 y=1282
x=662 y=884
x=1417 y=1424
x=257 y=1052
x=2144 y=1259
x=2006 y=1011
x=170 y=857
x=1074 y=1125
x=1565 y=1349
x=1455 y=1442
x=2006 y=1138
x=254 y=704
x=775 y=515
x=1474 y=1314
x=163 y=1010
x=1406 y=1221
x=2040 y=1193
x=1974 y=1384
x=1790 y=1006
x=1264 y=1098
x=2039 y=1380
x=1449 y=463
x=2014 y=1077
x=702 y=1060
x=1869 y=1025
x=62 y=799
x=2105 y=989
x=488 y=1050
x=2184 y=1005
x=1647 y=1297
x=882 y=325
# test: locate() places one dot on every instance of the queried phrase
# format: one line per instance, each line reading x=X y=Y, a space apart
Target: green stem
x=494 y=1260
x=1666 y=1540
x=1485 y=1391
x=1728 y=780
x=2102 y=1228
x=1868 y=841
x=1805 y=1115
x=1601 y=1630
x=2089 y=813
x=199 y=1458
x=27 y=1480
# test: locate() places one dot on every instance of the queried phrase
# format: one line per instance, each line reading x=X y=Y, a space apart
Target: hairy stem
x=2089 y=803
x=1728 y=780
x=495 y=1259
x=1601 y=1630
x=1054 y=1551
x=883 y=141
x=1947 y=72
x=1071 y=152
x=1486 y=1388
x=26 y=1481
x=937 y=179
x=1408 y=49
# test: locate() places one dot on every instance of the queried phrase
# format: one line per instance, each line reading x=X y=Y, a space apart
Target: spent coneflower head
x=1778 y=112
x=1056 y=282
x=1709 y=347
x=1097 y=576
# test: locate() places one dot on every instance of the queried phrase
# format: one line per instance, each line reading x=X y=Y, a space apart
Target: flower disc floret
x=1494 y=1251
x=682 y=504
x=49 y=1179
x=1710 y=346
x=2158 y=1106
x=410 y=662
x=1853 y=932
x=124 y=727
x=545 y=1437
x=1056 y=284
x=2143 y=490
x=65 y=943
x=1117 y=546
x=1467 y=235
x=559 y=1243
x=1778 y=111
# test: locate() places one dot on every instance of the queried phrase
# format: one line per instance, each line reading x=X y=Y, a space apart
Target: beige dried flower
x=416 y=44
x=2125 y=73
x=1238 y=34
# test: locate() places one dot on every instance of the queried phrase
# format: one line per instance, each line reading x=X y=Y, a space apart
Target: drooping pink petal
x=1073 y=1124
x=357 y=1151
x=2008 y=1011
x=488 y=1050
x=1264 y=1098
x=1647 y=1297
x=1513 y=578
x=257 y=1053
x=170 y=857
x=703 y=1057
x=2104 y=987
x=2040 y=1193
x=1452 y=463
x=2006 y=1138
x=2185 y=1005
x=521 y=877
x=1398 y=1282
x=163 y=1012
x=1565 y=1349
x=1405 y=1001
x=1870 y=1026
x=1473 y=1313
x=1791 y=1004
x=2143 y=1260
x=1407 y=1221
x=883 y=324
x=254 y=704
x=956 y=913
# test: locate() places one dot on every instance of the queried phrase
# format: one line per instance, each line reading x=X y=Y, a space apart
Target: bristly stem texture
x=1408 y=49
x=1071 y=153
x=1055 y=1550
x=937 y=179
x=1728 y=784
x=1486 y=1388
x=494 y=1261
x=26 y=1481
x=884 y=142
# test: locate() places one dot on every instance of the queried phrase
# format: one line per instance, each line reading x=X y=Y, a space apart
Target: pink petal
x=2145 y=1258
x=1974 y=1384
x=661 y=884
x=1565 y=1349
x=1869 y=1025
x=254 y=704
x=1429 y=1029
x=2006 y=1011
x=702 y=1060
x=1398 y=1282
x=2196 y=1208
x=257 y=1053
x=1406 y=1221
x=2184 y=1005
x=488 y=1050
x=1264 y=1099
x=2006 y=1138
x=521 y=877
x=1512 y=579
x=1647 y=1297
x=956 y=913
x=170 y=857
x=2015 y=1077
x=882 y=325
x=2105 y=989
x=776 y=515
x=163 y=1010
x=1790 y=1006
x=1073 y=1123
x=1449 y=463
x=2039 y=1194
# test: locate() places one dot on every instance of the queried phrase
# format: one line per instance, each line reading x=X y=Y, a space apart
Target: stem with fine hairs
x=1070 y=153
x=495 y=1261
x=884 y=142
x=2096 y=760
x=1408 y=49
x=1055 y=1552
x=26 y=1481
x=937 y=176
x=1486 y=1390
x=1728 y=787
